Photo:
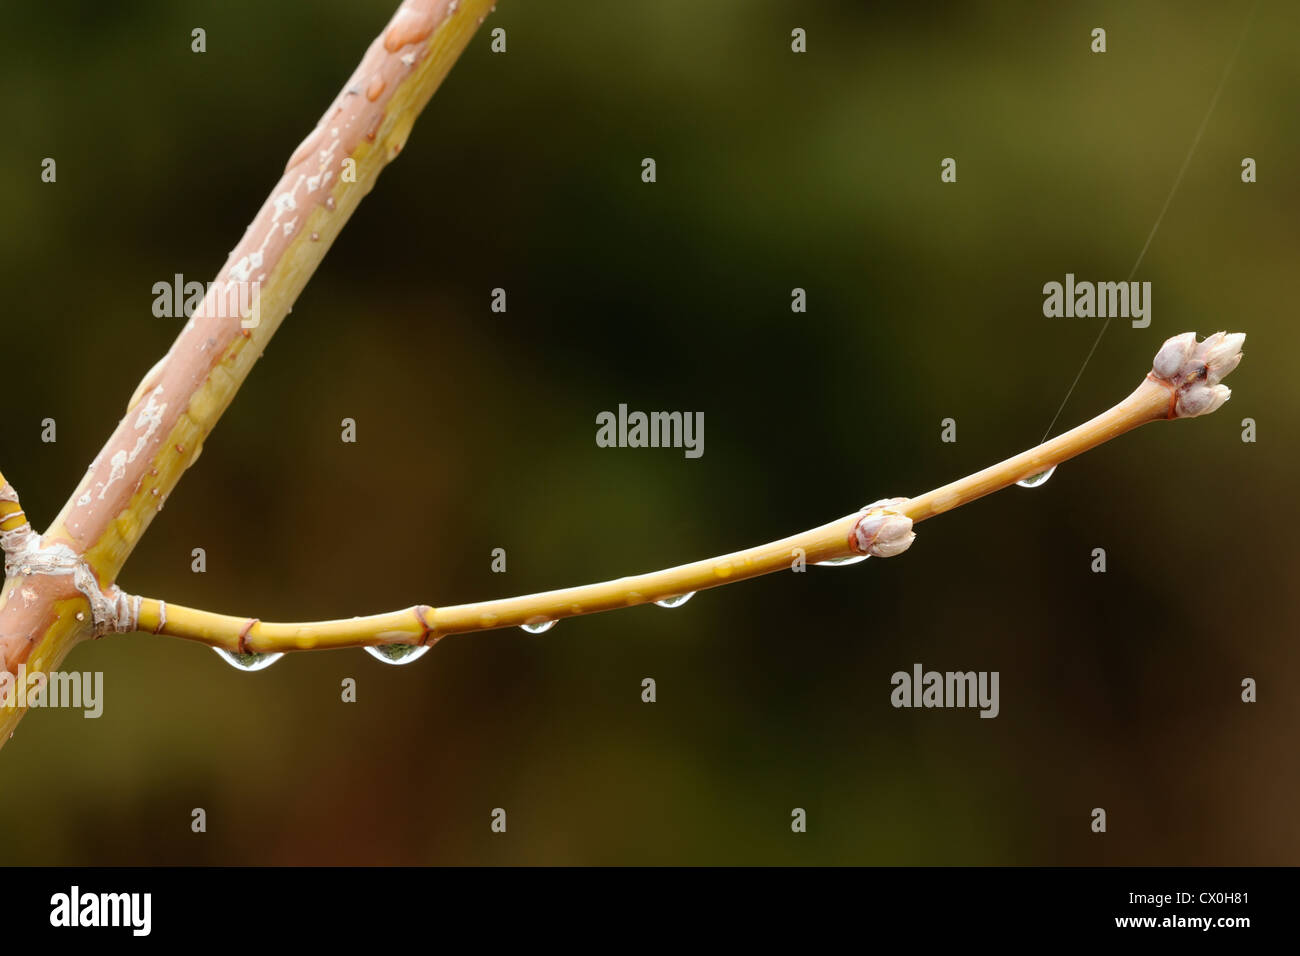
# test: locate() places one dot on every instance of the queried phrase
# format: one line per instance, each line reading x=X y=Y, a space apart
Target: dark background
x=476 y=430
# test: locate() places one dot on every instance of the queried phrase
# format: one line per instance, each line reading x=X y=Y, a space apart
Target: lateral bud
x=882 y=531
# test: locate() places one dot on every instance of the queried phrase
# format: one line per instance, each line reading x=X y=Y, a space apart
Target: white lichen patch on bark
x=150 y=419
x=117 y=469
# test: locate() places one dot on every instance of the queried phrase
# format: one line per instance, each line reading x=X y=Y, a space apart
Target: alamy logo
x=655 y=430
x=1102 y=300
x=235 y=299
x=948 y=689
x=74 y=908
x=71 y=689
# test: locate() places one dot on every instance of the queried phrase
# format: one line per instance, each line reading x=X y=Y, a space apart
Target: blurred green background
x=476 y=431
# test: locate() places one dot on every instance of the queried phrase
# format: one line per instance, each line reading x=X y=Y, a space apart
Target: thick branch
x=181 y=398
x=56 y=603
x=1183 y=383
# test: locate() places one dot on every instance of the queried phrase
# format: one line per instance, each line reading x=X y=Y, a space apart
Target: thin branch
x=1183 y=383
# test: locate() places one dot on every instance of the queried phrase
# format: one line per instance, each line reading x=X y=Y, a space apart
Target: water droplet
x=538 y=626
x=842 y=562
x=376 y=87
x=408 y=26
x=305 y=149
x=397 y=653
x=1033 y=481
x=677 y=600
x=247 y=662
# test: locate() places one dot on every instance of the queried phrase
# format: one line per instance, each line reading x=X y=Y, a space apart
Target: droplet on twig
x=1034 y=481
x=247 y=662
x=842 y=562
x=397 y=653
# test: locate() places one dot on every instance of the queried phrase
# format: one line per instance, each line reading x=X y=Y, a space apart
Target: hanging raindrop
x=537 y=626
x=248 y=662
x=1033 y=481
x=842 y=562
x=397 y=653
x=676 y=600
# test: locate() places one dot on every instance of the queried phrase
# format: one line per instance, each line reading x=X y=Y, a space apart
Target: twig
x=1184 y=382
